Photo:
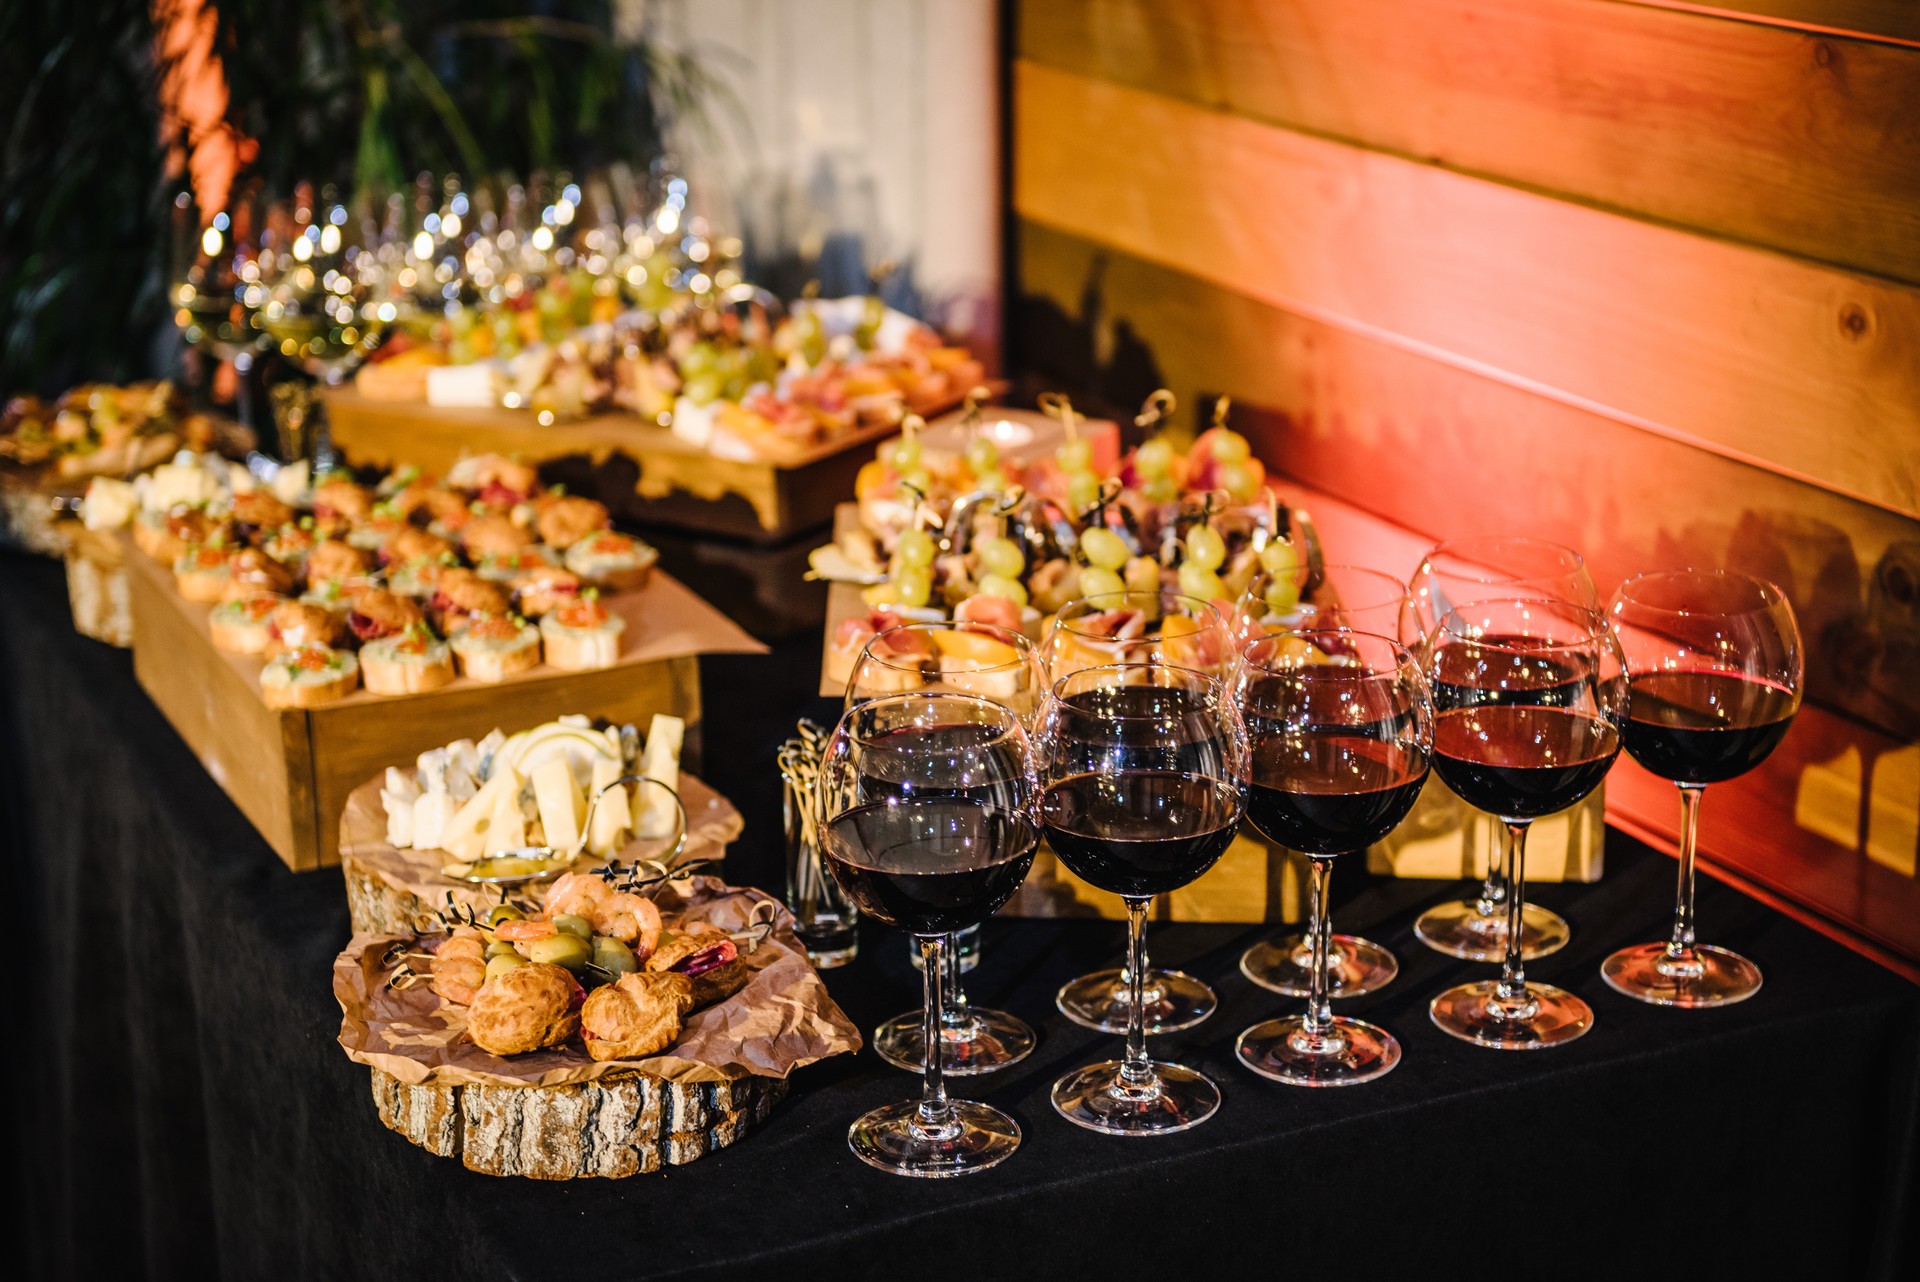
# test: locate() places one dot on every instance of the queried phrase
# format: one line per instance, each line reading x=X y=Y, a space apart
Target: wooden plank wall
x=1644 y=277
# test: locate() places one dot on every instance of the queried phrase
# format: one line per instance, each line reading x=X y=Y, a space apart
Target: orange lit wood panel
x=1803 y=368
x=1888 y=19
x=1781 y=138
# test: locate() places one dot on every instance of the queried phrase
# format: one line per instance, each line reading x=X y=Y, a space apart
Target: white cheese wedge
x=431 y=815
x=660 y=760
x=507 y=829
x=561 y=804
x=613 y=816
x=398 y=794
x=466 y=835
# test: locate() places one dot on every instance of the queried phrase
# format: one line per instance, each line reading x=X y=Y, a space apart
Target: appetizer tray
x=391 y=890
x=680 y=484
x=556 y=1113
x=291 y=771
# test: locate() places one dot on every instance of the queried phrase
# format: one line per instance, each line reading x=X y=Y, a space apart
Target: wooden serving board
x=391 y=891
x=624 y=1125
x=679 y=484
x=291 y=771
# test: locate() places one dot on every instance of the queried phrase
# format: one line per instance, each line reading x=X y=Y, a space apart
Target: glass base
x=1094 y=1097
x=1711 y=977
x=990 y=1039
x=829 y=958
x=1459 y=929
x=1174 y=1000
x=1354 y=966
x=892 y=1139
x=1549 y=1017
x=1349 y=1051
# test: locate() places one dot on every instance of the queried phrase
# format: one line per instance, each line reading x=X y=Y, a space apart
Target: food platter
x=556 y=1113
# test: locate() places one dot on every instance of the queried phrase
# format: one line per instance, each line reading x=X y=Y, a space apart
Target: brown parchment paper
x=782 y=1020
x=712 y=825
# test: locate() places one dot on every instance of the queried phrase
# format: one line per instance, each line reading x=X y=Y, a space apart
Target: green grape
x=1161 y=489
x=1103 y=549
x=1282 y=594
x=982 y=455
x=1154 y=458
x=1278 y=557
x=1001 y=558
x=915 y=548
x=1083 y=491
x=1205 y=548
x=902 y=455
x=994 y=482
x=914 y=585
x=698 y=359
x=1196 y=582
x=1100 y=583
x=1075 y=455
x=1002 y=586
x=1231 y=447
x=703 y=390
x=1237 y=480
x=1143 y=574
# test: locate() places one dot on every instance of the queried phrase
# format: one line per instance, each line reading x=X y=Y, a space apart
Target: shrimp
x=632 y=919
x=525 y=930
x=579 y=893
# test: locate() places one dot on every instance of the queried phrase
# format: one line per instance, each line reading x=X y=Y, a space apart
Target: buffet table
x=179 y=1104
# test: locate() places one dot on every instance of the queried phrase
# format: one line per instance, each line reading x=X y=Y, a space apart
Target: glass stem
x=1493 y=890
x=1680 y=947
x=936 y=1115
x=1319 y=1017
x=1136 y=1070
x=955 y=1017
x=1513 y=970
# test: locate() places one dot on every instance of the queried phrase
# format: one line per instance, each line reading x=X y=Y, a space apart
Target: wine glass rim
x=1457 y=548
x=1183 y=676
x=1023 y=647
x=1402 y=656
x=1009 y=722
x=1771 y=594
x=1595 y=621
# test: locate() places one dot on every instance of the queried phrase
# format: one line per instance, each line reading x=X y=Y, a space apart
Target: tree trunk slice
x=395 y=892
x=622 y=1125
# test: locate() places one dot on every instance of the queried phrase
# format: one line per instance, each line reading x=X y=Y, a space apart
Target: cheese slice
x=660 y=760
x=507 y=829
x=466 y=835
x=613 y=816
x=432 y=813
x=560 y=802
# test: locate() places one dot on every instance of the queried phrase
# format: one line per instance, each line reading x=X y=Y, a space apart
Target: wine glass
x=1471 y=569
x=1341 y=727
x=1529 y=703
x=1136 y=627
x=953 y=658
x=1360 y=600
x=1714 y=667
x=1144 y=769
x=930 y=827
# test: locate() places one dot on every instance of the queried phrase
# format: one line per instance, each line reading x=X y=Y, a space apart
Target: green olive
x=611 y=954
x=572 y=924
x=562 y=949
x=503 y=963
x=503 y=912
x=500 y=948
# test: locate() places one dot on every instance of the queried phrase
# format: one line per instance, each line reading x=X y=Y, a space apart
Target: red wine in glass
x=1140 y=834
x=1520 y=761
x=1705 y=727
x=934 y=865
x=1327 y=794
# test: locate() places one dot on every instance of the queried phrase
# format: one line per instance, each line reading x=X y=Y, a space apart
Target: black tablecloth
x=180 y=1106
